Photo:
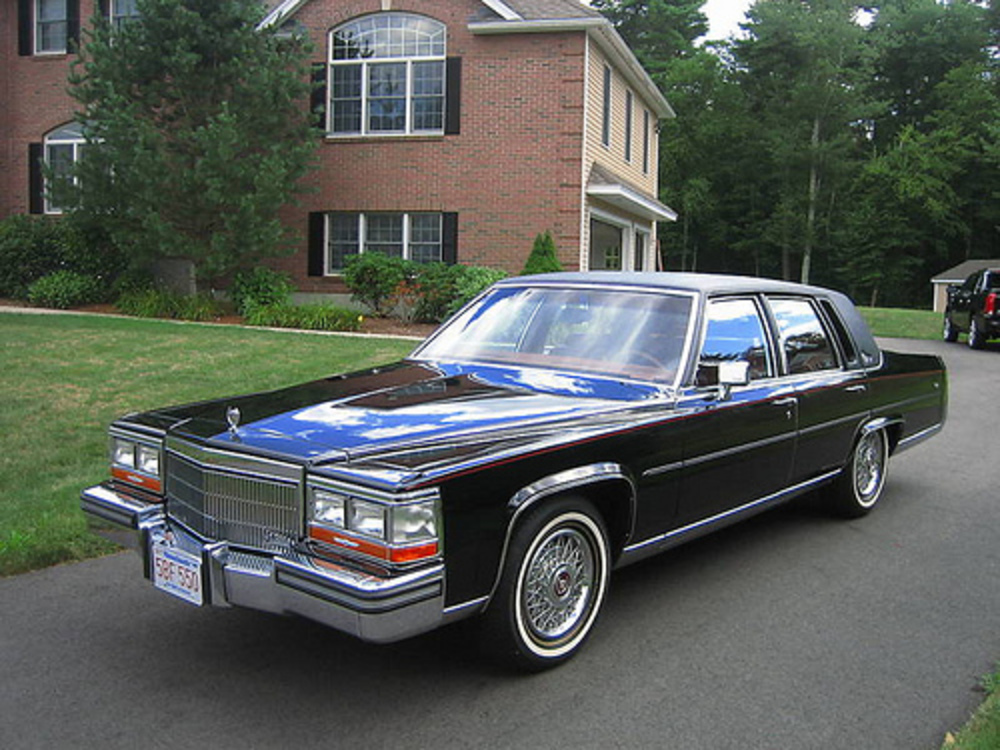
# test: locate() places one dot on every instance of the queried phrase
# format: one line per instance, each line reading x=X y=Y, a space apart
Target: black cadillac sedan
x=558 y=427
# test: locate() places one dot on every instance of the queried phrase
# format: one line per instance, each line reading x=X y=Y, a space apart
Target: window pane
x=389 y=35
x=345 y=98
x=387 y=97
x=51 y=10
x=384 y=234
x=605 y=247
x=425 y=238
x=344 y=239
x=735 y=334
x=428 y=95
x=805 y=343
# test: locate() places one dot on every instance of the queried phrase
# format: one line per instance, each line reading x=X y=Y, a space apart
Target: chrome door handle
x=861 y=388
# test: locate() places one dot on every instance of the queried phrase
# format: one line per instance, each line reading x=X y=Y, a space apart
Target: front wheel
x=554 y=582
x=859 y=487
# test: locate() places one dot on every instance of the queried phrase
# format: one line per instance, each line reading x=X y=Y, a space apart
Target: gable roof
x=963 y=271
x=540 y=10
x=538 y=16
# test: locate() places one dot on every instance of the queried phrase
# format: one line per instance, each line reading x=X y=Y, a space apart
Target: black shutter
x=24 y=24
x=104 y=8
x=449 y=238
x=72 y=25
x=317 y=102
x=36 y=180
x=317 y=243
x=453 y=96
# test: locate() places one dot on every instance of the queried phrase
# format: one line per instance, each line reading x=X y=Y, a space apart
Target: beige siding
x=612 y=157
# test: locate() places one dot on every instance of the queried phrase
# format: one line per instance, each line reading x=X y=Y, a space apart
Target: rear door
x=817 y=360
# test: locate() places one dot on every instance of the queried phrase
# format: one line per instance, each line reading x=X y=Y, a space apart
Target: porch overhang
x=632 y=201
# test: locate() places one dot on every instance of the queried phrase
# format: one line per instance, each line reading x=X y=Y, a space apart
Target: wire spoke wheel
x=558 y=585
x=554 y=583
x=869 y=468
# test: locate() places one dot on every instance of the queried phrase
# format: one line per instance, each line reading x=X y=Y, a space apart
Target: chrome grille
x=240 y=499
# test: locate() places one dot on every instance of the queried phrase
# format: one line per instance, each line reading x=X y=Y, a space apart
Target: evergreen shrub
x=64 y=289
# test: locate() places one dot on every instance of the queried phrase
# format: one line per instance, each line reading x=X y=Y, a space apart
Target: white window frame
x=37 y=29
x=366 y=64
x=363 y=220
x=630 y=230
x=629 y=114
x=65 y=135
x=646 y=144
x=606 y=119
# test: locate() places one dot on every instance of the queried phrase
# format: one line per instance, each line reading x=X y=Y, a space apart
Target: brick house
x=456 y=130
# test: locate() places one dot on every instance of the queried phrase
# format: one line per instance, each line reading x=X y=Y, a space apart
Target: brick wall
x=33 y=101
x=514 y=170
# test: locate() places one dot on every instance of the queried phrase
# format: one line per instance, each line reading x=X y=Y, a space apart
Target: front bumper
x=373 y=608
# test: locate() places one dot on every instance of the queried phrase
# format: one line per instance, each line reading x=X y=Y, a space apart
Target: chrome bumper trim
x=371 y=607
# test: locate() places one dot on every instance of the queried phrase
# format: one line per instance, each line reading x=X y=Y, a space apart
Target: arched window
x=63 y=148
x=387 y=76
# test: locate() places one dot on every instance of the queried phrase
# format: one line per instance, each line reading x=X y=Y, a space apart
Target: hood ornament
x=233 y=418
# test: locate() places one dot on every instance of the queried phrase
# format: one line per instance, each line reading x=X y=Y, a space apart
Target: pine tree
x=197 y=129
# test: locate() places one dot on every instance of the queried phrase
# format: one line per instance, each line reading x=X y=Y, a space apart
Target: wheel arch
x=893 y=427
x=608 y=486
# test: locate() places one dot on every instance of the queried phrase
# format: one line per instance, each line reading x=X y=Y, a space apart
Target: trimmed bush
x=259 y=287
x=543 y=256
x=321 y=317
x=64 y=289
x=374 y=279
x=469 y=283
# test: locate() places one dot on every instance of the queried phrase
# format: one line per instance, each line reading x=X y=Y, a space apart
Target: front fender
x=619 y=515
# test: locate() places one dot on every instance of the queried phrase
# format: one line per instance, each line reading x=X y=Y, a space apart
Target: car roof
x=703 y=283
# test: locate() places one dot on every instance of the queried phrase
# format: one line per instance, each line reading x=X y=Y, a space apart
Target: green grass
x=983 y=730
x=903 y=324
x=63 y=378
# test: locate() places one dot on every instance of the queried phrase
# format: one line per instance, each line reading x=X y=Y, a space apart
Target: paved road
x=790 y=631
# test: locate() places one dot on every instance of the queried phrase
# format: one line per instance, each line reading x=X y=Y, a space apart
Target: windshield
x=636 y=335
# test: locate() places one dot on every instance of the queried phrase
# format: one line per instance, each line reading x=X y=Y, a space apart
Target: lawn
x=903 y=324
x=63 y=378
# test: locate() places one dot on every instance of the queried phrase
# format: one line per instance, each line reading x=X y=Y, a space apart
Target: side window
x=840 y=331
x=804 y=342
x=734 y=332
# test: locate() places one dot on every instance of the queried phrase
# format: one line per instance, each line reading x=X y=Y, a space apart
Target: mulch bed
x=370 y=325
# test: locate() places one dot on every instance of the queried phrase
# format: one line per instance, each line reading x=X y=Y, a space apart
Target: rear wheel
x=976 y=338
x=554 y=582
x=859 y=487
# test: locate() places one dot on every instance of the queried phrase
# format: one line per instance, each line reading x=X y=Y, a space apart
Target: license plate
x=177 y=573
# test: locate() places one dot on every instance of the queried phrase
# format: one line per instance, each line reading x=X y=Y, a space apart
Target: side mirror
x=734 y=373
x=723 y=375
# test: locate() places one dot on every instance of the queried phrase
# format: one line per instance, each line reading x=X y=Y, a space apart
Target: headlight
x=329 y=508
x=367 y=518
x=123 y=453
x=414 y=523
x=148 y=460
x=402 y=530
x=136 y=460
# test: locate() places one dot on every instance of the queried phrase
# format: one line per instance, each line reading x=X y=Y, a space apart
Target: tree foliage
x=197 y=131
x=846 y=143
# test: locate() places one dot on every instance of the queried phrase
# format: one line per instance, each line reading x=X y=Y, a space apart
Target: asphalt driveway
x=790 y=631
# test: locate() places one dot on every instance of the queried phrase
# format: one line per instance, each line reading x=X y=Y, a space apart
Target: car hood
x=399 y=408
